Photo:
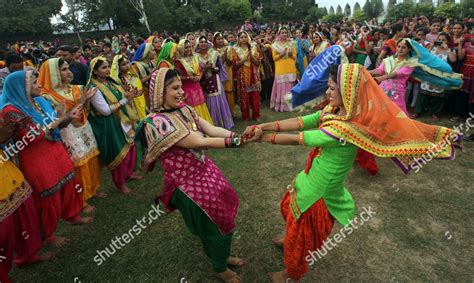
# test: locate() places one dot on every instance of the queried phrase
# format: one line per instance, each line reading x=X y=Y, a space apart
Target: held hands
x=11 y=129
x=252 y=134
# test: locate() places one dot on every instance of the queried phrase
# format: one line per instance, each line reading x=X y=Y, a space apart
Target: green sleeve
x=316 y=138
x=311 y=121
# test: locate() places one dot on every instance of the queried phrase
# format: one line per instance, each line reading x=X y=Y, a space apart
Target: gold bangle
x=301 y=138
x=300 y=123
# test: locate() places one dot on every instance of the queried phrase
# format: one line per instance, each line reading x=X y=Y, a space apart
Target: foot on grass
x=235 y=261
x=280 y=277
x=279 y=241
x=57 y=242
x=88 y=208
x=124 y=190
x=136 y=176
x=228 y=276
x=100 y=195
x=81 y=220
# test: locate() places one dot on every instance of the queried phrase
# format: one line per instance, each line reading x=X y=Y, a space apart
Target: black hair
x=60 y=62
x=333 y=70
x=459 y=23
x=171 y=74
x=52 y=52
x=448 y=37
x=12 y=58
x=86 y=46
x=66 y=48
x=108 y=44
x=75 y=49
x=396 y=28
x=383 y=31
x=140 y=40
x=97 y=65
x=435 y=20
x=122 y=43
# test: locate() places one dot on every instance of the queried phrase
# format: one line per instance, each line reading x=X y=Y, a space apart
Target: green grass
x=422 y=230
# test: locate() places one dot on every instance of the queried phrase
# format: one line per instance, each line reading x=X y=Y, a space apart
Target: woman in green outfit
x=113 y=119
x=358 y=116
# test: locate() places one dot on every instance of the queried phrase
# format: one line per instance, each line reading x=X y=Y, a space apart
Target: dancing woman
x=18 y=215
x=188 y=67
x=121 y=73
x=223 y=48
x=78 y=138
x=213 y=73
x=363 y=117
x=166 y=56
x=284 y=54
x=143 y=64
x=56 y=190
x=193 y=184
x=113 y=121
x=246 y=61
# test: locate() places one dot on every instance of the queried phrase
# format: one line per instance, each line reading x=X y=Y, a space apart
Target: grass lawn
x=421 y=230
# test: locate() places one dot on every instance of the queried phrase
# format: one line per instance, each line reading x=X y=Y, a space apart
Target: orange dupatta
x=49 y=80
x=377 y=125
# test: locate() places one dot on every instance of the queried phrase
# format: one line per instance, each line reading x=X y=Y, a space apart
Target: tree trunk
x=145 y=19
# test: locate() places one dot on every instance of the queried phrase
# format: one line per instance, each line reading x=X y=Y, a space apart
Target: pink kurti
x=395 y=88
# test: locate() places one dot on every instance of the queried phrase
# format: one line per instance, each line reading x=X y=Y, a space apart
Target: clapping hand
x=76 y=112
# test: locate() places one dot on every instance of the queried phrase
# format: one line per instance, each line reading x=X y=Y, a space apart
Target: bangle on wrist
x=233 y=142
x=301 y=138
x=273 y=138
x=277 y=126
x=300 y=123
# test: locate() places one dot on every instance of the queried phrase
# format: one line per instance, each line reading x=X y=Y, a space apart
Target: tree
x=449 y=10
x=138 y=5
x=399 y=11
x=359 y=16
x=421 y=9
x=315 y=14
x=467 y=7
x=336 y=18
x=373 y=8
x=72 y=18
x=33 y=20
x=233 y=9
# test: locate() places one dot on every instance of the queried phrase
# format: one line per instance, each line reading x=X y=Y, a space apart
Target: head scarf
x=249 y=39
x=49 y=81
x=377 y=125
x=142 y=52
x=127 y=114
x=17 y=93
x=192 y=68
x=157 y=89
x=115 y=68
x=428 y=67
x=167 y=53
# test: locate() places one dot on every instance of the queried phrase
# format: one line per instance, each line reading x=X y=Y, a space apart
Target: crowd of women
x=124 y=108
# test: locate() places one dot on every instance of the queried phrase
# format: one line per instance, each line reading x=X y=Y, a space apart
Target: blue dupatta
x=301 y=54
x=16 y=92
x=310 y=91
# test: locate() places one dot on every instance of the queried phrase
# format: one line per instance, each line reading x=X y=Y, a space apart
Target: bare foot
x=280 y=277
x=228 y=276
x=235 y=261
x=279 y=241
x=88 y=208
x=125 y=190
x=136 y=176
x=81 y=220
x=57 y=242
x=100 y=195
x=46 y=256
